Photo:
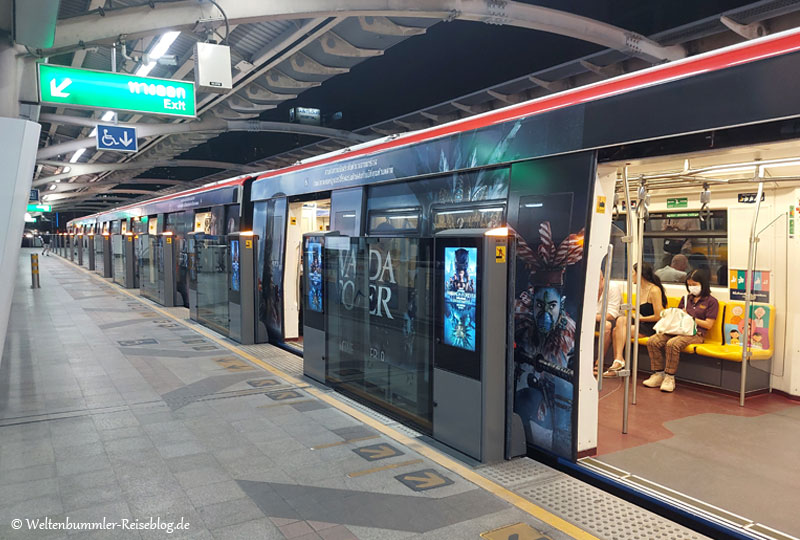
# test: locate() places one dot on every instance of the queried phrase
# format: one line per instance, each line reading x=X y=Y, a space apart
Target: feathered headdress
x=548 y=263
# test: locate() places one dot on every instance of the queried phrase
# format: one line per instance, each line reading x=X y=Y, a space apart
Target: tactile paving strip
x=602 y=514
x=286 y=362
x=516 y=472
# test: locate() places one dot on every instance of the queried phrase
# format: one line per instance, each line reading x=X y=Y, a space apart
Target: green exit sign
x=678 y=202
x=39 y=207
x=118 y=91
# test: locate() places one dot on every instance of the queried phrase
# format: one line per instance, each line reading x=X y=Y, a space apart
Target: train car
x=450 y=278
x=353 y=246
x=152 y=246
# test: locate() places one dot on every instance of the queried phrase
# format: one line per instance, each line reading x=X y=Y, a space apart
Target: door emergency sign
x=500 y=254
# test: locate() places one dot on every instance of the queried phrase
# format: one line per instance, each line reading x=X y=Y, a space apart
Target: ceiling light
x=77 y=155
x=163 y=45
x=108 y=115
x=52 y=187
x=160 y=48
x=730 y=171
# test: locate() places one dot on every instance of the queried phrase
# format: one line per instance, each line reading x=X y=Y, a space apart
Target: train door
x=303 y=217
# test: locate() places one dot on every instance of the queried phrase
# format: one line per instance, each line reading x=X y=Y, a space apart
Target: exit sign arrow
x=58 y=90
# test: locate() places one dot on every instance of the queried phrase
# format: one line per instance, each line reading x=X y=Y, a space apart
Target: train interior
x=304 y=216
x=697 y=446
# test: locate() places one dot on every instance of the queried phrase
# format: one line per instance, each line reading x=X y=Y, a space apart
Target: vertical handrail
x=748 y=283
x=641 y=212
x=601 y=340
x=628 y=240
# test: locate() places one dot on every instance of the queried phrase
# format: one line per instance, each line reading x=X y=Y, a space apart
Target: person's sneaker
x=655 y=380
x=669 y=383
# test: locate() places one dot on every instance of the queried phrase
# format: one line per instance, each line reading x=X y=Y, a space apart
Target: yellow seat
x=720 y=344
x=714 y=334
x=731 y=352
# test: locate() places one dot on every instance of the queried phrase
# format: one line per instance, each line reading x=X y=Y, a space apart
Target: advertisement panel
x=313 y=260
x=460 y=326
x=549 y=211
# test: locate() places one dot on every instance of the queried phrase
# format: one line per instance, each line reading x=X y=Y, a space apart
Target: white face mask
x=695 y=289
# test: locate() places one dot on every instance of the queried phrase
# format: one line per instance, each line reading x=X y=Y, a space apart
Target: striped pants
x=661 y=345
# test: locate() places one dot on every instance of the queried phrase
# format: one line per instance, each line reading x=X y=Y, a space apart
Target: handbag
x=675 y=321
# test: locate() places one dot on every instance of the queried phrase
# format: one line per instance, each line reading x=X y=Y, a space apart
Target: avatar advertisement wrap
x=459 y=297
x=314 y=275
x=549 y=213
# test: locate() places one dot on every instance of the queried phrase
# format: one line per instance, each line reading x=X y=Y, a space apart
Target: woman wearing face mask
x=704 y=308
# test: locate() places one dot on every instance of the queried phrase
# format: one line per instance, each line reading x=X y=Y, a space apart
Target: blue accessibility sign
x=118 y=138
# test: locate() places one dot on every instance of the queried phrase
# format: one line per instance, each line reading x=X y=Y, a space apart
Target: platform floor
x=704 y=445
x=113 y=408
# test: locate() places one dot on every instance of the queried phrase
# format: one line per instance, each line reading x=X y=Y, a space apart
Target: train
x=342 y=257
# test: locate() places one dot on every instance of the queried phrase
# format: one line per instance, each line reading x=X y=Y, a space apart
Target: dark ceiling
x=450 y=60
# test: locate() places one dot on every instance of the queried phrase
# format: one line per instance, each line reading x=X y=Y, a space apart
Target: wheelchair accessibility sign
x=117 y=138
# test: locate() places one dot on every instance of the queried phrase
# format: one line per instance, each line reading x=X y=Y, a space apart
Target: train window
x=676 y=243
x=455 y=190
x=232 y=212
x=458 y=217
x=403 y=221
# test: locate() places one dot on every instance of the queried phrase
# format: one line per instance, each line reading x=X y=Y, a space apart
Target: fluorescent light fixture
x=159 y=50
x=534 y=205
x=52 y=187
x=451 y=212
x=785 y=164
x=108 y=115
x=490 y=209
x=500 y=231
x=77 y=155
x=348 y=215
x=731 y=171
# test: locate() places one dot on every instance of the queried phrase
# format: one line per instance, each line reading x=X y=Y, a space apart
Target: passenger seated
x=655 y=300
x=675 y=272
x=704 y=308
x=612 y=312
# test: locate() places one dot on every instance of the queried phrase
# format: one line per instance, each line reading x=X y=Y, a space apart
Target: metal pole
x=640 y=213
x=627 y=239
x=601 y=340
x=748 y=281
x=35 y=271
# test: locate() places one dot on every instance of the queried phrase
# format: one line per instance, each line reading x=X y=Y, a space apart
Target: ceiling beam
x=79 y=169
x=212 y=125
x=182 y=15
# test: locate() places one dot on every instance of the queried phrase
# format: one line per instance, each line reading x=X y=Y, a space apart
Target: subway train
x=451 y=277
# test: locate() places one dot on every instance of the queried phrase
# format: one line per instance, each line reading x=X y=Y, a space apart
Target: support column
x=18 y=142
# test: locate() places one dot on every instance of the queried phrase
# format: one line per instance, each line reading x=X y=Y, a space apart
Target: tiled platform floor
x=110 y=410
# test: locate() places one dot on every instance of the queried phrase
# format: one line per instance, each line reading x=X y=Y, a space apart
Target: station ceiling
x=381 y=74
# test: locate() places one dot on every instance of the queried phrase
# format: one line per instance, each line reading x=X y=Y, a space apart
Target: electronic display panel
x=313 y=270
x=460 y=297
x=235 y=265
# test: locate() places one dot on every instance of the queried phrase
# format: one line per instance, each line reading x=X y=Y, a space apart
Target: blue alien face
x=546 y=308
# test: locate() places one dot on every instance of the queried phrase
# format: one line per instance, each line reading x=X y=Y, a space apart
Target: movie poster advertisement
x=460 y=327
x=235 y=266
x=314 y=275
x=549 y=215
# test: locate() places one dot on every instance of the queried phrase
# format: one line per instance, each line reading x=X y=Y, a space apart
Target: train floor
x=113 y=408
x=704 y=445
